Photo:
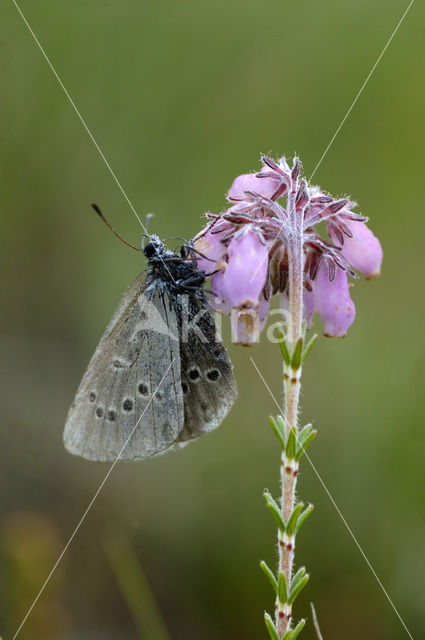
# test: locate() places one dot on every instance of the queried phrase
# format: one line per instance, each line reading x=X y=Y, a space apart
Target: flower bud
x=333 y=302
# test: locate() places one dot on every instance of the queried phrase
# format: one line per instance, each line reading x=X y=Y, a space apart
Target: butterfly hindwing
x=209 y=387
x=137 y=355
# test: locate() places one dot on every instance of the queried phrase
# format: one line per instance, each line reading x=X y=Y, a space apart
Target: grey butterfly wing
x=130 y=402
x=209 y=387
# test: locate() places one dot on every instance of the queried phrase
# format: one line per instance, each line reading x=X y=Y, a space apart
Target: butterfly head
x=154 y=248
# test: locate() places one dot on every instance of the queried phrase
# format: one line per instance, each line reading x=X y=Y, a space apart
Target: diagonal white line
x=361 y=89
x=83 y=122
x=339 y=512
x=349 y=110
x=89 y=506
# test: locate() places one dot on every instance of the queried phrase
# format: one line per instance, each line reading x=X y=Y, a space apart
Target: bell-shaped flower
x=362 y=250
x=333 y=302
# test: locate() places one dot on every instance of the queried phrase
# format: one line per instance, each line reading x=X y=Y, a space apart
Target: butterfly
x=159 y=377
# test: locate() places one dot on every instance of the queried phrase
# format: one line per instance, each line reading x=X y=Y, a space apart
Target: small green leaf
x=284 y=347
x=282 y=588
x=299 y=587
x=298 y=576
x=306 y=435
x=281 y=423
x=269 y=573
x=270 y=627
x=298 y=628
x=291 y=444
x=287 y=635
x=305 y=432
x=274 y=509
x=296 y=356
x=303 y=517
x=293 y=519
x=276 y=428
x=308 y=347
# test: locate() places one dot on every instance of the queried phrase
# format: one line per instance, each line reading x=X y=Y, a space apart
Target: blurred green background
x=182 y=97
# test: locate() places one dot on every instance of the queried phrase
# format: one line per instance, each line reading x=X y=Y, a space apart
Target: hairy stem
x=288 y=475
x=291 y=389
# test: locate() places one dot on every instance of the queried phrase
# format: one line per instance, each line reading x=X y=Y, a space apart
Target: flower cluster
x=248 y=249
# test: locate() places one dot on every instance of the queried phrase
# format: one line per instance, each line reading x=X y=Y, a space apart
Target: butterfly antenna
x=102 y=217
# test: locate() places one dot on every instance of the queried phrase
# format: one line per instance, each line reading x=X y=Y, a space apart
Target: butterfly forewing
x=130 y=401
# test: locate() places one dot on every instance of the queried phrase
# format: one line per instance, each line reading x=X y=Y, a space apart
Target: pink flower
x=333 y=302
x=275 y=217
x=362 y=250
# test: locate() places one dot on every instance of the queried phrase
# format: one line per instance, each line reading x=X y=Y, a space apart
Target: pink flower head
x=275 y=218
